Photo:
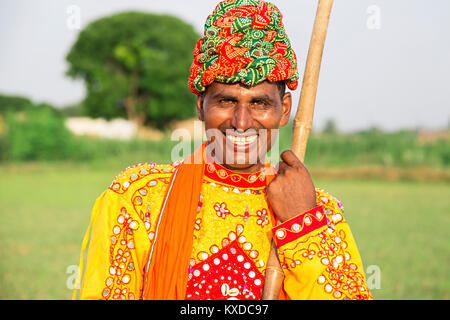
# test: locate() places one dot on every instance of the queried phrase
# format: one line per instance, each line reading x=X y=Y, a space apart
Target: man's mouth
x=240 y=147
x=242 y=140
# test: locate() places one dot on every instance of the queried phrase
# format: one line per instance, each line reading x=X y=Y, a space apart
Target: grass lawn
x=401 y=227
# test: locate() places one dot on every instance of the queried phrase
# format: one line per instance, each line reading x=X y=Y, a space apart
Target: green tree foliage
x=330 y=127
x=136 y=65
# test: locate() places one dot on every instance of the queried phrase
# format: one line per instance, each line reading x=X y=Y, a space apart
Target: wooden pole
x=305 y=112
x=302 y=127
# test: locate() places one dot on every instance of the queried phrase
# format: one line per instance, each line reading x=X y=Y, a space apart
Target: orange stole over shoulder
x=167 y=273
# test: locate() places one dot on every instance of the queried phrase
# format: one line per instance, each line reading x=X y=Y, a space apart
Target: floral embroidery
x=263 y=217
x=232 y=211
x=121 y=261
x=221 y=209
x=341 y=277
x=143 y=180
x=133 y=174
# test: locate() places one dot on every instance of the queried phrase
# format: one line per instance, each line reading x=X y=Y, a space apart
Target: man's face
x=241 y=122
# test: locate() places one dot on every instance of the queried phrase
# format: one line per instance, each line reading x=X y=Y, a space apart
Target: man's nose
x=242 y=118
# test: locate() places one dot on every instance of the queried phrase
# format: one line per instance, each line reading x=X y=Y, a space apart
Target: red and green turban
x=244 y=41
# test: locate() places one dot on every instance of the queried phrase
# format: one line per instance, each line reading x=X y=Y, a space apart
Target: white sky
x=396 y=76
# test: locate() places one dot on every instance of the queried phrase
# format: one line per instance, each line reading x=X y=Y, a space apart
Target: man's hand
x=292 y=191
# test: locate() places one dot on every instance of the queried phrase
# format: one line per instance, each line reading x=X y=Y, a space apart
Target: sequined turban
x=244 y=41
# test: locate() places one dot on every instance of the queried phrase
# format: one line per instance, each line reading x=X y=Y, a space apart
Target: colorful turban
x=244 y=41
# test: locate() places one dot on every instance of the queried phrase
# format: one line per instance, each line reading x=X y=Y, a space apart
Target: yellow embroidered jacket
x=231 y=244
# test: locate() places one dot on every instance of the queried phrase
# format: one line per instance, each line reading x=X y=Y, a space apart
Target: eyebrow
x=259 y=98
x=264 y=98
x=225 y=96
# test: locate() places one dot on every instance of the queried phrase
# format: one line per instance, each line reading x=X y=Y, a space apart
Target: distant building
x=114 y=129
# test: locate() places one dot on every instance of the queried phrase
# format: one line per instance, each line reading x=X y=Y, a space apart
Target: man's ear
x=286 y=109
x=200 y=110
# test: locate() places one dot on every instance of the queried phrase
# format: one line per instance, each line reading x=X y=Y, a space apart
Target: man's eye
x=260 y=105
x=226 y=102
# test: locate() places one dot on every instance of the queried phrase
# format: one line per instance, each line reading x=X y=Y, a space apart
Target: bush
x=370 y=147
x=36 y=134
x=14 y=104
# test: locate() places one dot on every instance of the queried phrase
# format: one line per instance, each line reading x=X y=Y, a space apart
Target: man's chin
x=244 y=162
x=237 y=158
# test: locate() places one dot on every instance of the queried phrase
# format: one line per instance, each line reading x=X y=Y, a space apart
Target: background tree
x=136 y=65
x=330 y=127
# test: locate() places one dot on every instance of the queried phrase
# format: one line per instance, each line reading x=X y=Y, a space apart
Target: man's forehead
x=264 y=88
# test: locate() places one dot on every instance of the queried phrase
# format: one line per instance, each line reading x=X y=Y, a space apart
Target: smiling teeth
x=242 y=140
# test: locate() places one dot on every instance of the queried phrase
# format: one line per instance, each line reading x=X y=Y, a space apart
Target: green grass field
x=401 y=227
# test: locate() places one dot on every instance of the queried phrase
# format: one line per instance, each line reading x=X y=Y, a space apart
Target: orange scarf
x=167 y=274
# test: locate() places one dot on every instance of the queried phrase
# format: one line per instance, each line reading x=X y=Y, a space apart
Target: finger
x=290 y=159
x=282 y=167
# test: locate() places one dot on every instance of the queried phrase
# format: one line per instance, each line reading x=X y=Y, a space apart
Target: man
x=202 y=229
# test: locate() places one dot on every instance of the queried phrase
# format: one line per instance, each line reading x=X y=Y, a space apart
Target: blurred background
x=88 y=88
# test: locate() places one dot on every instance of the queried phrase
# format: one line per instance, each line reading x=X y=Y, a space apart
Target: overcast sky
x=386 y=62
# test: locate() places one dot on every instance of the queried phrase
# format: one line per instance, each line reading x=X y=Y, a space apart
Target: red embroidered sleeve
x=319 y=255
x=299 y=226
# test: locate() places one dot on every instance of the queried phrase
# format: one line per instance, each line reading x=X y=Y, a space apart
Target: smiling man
x=203 y=228
x=241 y=121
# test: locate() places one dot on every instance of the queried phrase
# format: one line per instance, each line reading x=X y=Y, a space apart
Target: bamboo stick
x=302 y=127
